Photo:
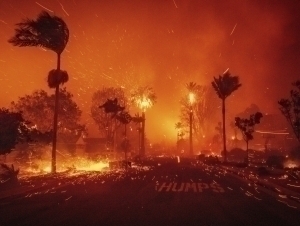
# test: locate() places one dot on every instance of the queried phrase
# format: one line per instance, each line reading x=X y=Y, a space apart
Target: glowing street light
x=145 y=103
x=192 y=98
x=192 y=88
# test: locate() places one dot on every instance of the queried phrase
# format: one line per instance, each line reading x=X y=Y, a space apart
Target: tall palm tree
x=143 y=97
x=52 y=33
x=192 y=89
x=224 y=86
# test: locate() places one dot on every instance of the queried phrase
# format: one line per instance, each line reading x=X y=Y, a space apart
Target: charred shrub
x=8 y=176
x=276 y=161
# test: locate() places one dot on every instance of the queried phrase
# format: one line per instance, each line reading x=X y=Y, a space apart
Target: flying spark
x=233 y=29
x=175 y=4
x=3 y=21
x=62 y=7
x=44 y=7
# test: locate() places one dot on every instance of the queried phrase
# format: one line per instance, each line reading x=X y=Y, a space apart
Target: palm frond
x=191 y=86
x=46 y=31
x=56 y=78
x=225 y=84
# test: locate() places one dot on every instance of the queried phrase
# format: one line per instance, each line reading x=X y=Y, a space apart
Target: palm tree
x=143 y=97
x=179 y=126
x=192 y=89
x=52 y=33
x=224 y=86
x=138 y=120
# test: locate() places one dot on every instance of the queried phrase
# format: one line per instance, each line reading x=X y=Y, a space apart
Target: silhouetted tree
x=203 y=111
x=191 y=87
x=179 y=127
x=224 y=86
x=8 y=176
x=38 y=109
x=112 y=106
x=103 y=118
x=138 y=120
x=290 y=108
x=276 y=161
x=252 y=109
x=246 y=126
x=50 y=32
x=13 y=130
x=124 y=117
x=180 y=133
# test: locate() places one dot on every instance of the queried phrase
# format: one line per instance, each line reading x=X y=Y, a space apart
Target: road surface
x=163 y=192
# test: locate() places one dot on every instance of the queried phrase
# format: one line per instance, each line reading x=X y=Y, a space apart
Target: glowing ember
x=90 y=165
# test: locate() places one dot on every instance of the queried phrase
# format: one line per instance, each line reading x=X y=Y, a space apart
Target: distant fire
x=78 y=164
x=291 y=164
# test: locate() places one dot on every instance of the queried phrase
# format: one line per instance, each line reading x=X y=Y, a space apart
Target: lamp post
x=144 y=103
x=143 y=134
x=191 y=101
x=144 y=98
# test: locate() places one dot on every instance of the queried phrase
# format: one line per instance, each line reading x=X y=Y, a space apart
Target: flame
x=291 y=164
x=88 y=165
x=78 y=164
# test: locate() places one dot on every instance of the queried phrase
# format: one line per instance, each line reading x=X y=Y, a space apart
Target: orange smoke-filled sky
x=163 y=44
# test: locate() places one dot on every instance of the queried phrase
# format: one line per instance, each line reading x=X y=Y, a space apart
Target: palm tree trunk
x=139 y=140
x=143 y=136
x=191 y=131
x=125 y=133
x=114 y=136
x=224 y=131
x=53 y=162
x=247 y=160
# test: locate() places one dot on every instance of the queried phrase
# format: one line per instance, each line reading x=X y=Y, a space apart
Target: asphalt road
x=164 y=192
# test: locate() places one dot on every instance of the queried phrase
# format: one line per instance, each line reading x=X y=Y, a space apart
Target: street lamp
x=191 y=102
x=143 y=98
x=145 y=103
